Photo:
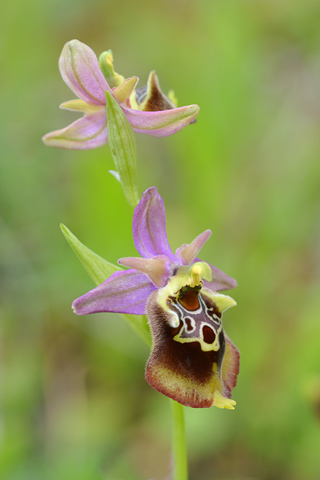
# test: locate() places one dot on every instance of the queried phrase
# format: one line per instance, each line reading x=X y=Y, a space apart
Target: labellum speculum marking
x=199 y=320
x=192 y=361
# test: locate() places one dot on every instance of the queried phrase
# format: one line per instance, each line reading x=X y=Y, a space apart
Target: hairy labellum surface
x=193 y=363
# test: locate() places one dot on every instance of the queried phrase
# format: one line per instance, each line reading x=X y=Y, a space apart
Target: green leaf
x=122 y=143
x=99 y=270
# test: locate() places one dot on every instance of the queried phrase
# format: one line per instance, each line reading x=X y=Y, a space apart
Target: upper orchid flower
x=148 y=110
x=192 y=360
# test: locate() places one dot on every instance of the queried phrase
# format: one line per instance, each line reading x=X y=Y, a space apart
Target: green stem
x=180 y=471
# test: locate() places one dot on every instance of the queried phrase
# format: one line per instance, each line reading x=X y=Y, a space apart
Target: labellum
x=192 y=360
x=150 y=98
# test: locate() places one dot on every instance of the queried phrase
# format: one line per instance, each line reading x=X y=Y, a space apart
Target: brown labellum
x=150 y=97
x=191 y=362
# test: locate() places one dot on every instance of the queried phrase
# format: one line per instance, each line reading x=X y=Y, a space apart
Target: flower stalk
x=180 y=455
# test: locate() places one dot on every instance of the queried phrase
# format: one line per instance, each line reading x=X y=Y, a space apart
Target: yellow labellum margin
x=192 y=360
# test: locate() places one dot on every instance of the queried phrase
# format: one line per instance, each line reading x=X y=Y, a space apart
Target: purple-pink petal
x=89 y=131
x=220 y=280
x=188 y=252
x=79 y=68
x=149 y=226
x=161 y=123
x=123 y=292
x=157 y=269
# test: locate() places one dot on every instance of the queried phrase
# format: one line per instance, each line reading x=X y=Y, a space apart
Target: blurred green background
x=74 y=402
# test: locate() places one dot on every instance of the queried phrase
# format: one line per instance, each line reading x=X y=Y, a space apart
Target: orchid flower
x=147 y=109
x=192 y=360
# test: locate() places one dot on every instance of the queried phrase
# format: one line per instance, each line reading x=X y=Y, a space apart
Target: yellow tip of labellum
x=223 y=402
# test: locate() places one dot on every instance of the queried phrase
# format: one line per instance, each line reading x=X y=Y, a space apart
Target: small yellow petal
x=223 y=402
x=124 y=91
x=78 y=105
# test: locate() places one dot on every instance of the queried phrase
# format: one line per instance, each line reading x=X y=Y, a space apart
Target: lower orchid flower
x=192 y=360
x=147 y=109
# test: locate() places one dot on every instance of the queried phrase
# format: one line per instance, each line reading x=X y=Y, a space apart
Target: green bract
x=123 y=148
x=99 y=270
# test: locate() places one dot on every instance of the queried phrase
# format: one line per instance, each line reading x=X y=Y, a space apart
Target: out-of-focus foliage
x=74 y=403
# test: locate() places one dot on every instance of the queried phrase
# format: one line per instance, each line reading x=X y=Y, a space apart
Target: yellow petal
x=124 y=91
x=78 y=105
x=223 y=402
